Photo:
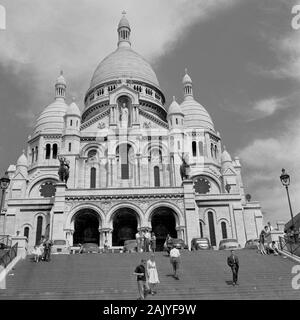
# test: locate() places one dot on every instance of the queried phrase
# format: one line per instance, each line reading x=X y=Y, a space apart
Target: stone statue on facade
x=124 y=116
x=63 y=171
x=184 y=168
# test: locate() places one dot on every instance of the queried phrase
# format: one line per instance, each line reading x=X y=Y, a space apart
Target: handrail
x=6 y=259
x=5 y=240
x=289 y=243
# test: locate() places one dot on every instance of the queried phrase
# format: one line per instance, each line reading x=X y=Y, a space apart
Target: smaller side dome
x=22 y=161
x=225 y=156
x=174 y=108
x=73 y=110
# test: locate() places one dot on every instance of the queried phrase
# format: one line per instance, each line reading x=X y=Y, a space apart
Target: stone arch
x=115 y=208
x=97 y=145
x=69 y=223
x=178 y=214
x=129 y=142
x=209 y=176
x=124 y=221
x=39 y=180
x=153 y=145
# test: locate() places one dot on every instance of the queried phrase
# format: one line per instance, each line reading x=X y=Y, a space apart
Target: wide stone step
x=203 y=275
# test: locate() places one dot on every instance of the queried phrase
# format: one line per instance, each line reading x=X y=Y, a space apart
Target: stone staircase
x=203 y=275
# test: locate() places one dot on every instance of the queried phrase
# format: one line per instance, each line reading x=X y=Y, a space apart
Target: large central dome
x=124 y=62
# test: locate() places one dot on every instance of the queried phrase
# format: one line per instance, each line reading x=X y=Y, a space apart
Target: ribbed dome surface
x=195 y=115
x=174 y=108
x=124 y=62
x=22 y=161
x=52 y=118
x=225 y=157
x=73 y=110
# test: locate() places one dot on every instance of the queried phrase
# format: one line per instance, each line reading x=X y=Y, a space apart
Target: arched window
x=36 y=153
x=32 y=155
x=156 y=176
x=70 y=146
x=211 y=225
x=201 y=229
x=71 y=123
x=48 y=150
x=216 y=151
x=200 y=143
x=178 y=145
x=77 y=123
x=39 y=228
x=93 y=178
x=176 y=120
x=123 y=152
x=194 y=146
x=26 y=232
x=212 y=150
x=54 y=155
x=224 y=230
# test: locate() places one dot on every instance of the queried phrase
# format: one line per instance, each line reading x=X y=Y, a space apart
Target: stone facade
x=124 y=152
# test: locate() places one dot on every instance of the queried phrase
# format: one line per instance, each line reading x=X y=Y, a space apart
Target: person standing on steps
x=152 y=274
x=153 y=242
x=140 y=272
x=175 y=261
x=233 y=263
x=47 y=248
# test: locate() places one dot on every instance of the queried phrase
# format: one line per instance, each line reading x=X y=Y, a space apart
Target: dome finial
x=174 y=98
x=124 y=31
x=187 y=83
x=60 y=86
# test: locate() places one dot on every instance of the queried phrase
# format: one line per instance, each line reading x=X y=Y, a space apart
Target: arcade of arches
x=125 y=224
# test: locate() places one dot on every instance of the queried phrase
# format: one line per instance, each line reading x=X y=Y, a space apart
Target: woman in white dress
x=152 y=274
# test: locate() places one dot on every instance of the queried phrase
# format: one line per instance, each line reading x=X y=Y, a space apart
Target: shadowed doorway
x=124 y=226
x=86 y=227
x=163 y=223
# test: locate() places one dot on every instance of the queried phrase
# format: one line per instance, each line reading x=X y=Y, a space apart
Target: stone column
x=190 y=214
x=57 y=213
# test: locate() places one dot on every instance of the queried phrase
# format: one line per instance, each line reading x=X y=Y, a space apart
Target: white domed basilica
x=127 y=162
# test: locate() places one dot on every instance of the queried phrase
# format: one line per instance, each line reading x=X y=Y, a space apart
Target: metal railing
x=290 y=244
x=9 y=255
x=5 y=241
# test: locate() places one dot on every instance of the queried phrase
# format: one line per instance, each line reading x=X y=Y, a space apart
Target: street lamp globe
x=4 y=182
x=285 y=178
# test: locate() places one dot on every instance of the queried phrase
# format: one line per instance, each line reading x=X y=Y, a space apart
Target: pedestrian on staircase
x=152 y=274
x=140 y=272
x=233 y=263
x=47 y=248
x=175 y=261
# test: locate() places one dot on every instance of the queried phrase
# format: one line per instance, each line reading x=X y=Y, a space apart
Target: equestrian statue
x=64 y=168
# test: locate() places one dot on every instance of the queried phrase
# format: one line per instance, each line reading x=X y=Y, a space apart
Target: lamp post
x=4 y=183
x=285 y=180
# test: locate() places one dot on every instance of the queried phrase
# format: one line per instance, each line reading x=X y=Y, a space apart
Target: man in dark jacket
x=233 y=262
x=140 y=272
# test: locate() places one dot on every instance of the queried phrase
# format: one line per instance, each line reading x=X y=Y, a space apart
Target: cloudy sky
x=243 y=57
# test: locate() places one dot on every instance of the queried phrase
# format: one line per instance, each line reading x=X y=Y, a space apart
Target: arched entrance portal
x=163 y=223
x=124 y=226
x=86 y=227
